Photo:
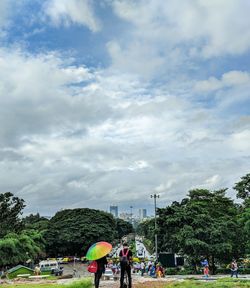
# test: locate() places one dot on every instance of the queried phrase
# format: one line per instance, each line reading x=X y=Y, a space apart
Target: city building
x=142 y=214
x=114 y=211
x=125 y=216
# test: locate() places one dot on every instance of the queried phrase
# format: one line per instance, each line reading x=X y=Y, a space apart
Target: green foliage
x=203 y=225
x=146 y=228
x=123 y=228
x=84 y=283
x=72 y=231
x=35 y=222
x=10 y=209
x=18 y=248
x=243 y=187
x=244 y=220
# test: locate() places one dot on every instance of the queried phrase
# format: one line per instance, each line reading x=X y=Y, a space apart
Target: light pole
x=156 y=245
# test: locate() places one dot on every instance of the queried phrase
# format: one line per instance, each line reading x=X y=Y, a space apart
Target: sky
x=105 y=102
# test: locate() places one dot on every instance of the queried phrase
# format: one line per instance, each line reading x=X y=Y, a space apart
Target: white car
x=108 y=274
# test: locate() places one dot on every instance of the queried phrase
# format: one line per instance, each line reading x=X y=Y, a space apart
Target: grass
x=222 y=283
x=87 y=283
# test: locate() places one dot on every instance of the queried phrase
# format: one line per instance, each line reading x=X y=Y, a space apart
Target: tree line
x=205 y=224
x=68 y=232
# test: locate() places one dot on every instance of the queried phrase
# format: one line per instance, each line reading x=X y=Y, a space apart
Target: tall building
x=142 y=214
x=114 y=211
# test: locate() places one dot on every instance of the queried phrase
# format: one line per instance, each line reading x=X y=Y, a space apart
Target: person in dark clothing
x=101 y=269
x=125 y=263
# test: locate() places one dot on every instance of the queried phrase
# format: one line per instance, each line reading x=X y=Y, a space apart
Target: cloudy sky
x=108 y=101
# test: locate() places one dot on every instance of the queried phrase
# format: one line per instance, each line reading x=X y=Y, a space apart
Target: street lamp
x=156 y=248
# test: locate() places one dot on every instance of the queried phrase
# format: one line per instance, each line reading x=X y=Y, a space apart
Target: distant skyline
x=109 y=101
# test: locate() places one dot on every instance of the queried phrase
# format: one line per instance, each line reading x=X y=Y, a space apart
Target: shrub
x=85 y=283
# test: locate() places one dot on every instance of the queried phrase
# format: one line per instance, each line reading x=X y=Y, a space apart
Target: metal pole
x=156 y=240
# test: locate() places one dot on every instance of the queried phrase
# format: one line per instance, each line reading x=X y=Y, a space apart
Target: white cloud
x=75 y=138
x=65 y=12
x=229 y=79
x=166 y=35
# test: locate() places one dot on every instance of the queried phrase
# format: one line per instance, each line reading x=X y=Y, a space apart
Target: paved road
x=141 y=250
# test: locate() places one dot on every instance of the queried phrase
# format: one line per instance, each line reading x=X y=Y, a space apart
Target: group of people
x=125 y=266
x=150 y=268
x=233 y=268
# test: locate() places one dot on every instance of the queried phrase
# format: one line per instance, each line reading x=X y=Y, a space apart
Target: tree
x=204 y=224
x=243 y=187
x=35 y=222
x=123 y=228
x=72 y=231
x=10 y=210
x=244 y=220
x=18 y=248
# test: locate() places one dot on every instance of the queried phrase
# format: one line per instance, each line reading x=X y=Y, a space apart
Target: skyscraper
x=114 y=211
x=142 y=214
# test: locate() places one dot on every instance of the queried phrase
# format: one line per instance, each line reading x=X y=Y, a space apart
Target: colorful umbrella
x=98 y=250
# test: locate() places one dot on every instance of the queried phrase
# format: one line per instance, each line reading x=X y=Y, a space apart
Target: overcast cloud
x=106 y=102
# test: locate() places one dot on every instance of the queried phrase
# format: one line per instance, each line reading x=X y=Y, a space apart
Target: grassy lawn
x=225 y=283
x=87 y=283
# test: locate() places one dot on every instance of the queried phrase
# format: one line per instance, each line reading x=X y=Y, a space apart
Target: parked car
x=108 y=274
x=48 y=265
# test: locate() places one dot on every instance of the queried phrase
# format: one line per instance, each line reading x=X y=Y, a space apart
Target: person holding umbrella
x=101 y=265
x=98 y=252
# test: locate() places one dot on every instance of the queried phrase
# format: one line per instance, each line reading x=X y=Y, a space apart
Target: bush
x=86 y=283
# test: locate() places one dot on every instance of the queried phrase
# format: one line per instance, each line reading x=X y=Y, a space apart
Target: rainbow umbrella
x=98 y=250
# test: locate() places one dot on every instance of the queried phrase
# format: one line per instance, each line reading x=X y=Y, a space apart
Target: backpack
x=124 y=259
x=92 y=267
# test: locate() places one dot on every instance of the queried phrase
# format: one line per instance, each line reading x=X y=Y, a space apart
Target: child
x=206 y=271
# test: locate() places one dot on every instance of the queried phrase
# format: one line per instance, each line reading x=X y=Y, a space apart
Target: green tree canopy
x=18 y=248
x=123 y=228
x=10 y=210
x=204 y=224
x=243 y=187
x=36 y=222
x=72 y=231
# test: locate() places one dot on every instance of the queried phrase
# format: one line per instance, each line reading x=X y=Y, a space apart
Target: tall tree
x=36 y=222
x=10 y=211
x=123 y=228
x=243 y=187
x=204 y=224
x=72 y=231
x=18 y=248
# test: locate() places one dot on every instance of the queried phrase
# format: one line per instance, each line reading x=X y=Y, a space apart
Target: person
x=159 y=270
x=37 y=270
x=234 y=268
x=206 y=271
x=125 y=263
x=152 y=271
x=142 y=268
x=101 y=263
